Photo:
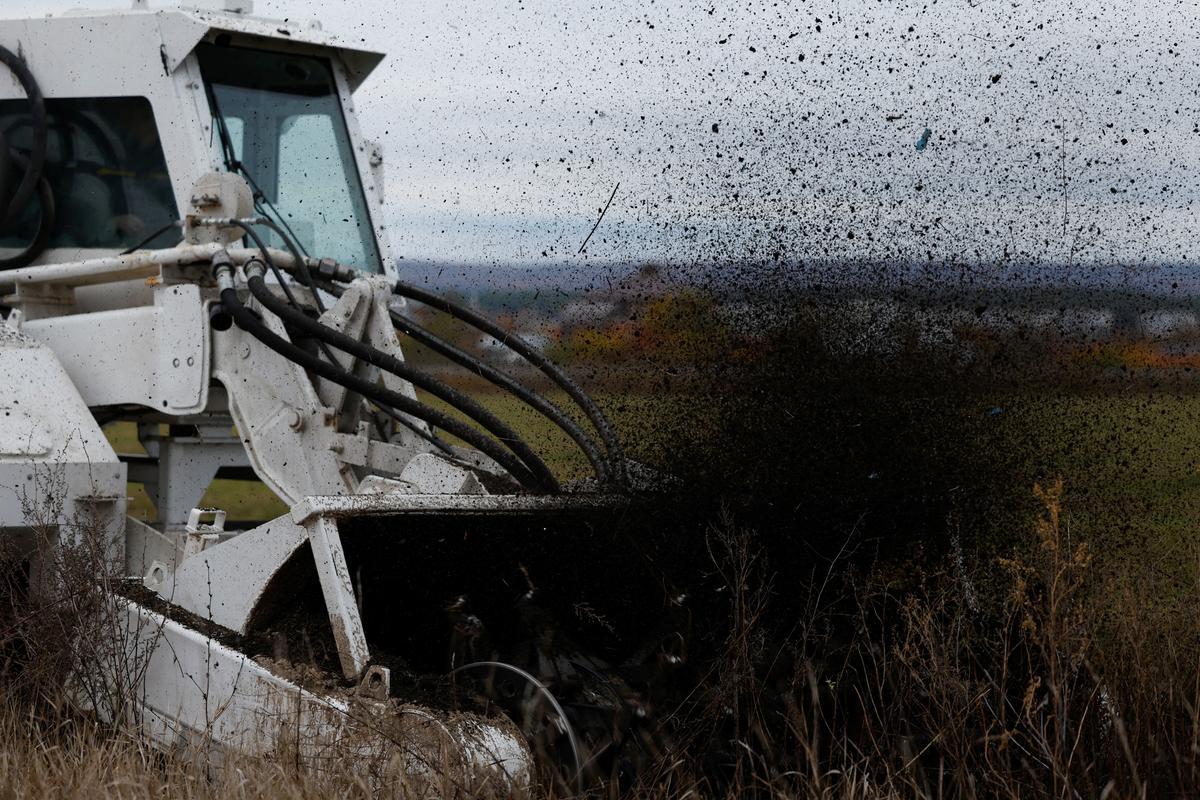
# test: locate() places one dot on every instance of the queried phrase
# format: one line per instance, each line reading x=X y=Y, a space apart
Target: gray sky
x=1058 y=129
x=508 y=123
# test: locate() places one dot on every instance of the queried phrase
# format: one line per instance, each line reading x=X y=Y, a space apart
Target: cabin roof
x=181 y=29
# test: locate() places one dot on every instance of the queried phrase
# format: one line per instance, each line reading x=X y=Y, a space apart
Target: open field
x=634 y=414
x=1130 y=463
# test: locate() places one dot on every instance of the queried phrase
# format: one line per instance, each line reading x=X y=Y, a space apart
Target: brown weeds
x=1075 y=686
x=72 y=758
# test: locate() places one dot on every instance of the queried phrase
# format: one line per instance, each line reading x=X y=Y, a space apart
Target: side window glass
x=105 y=164
x=237 y=136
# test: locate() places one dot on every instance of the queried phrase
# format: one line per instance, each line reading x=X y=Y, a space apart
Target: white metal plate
x=155 y=356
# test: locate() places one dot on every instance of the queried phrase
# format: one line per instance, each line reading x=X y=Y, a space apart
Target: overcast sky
x=775 y=129
x=508 y=124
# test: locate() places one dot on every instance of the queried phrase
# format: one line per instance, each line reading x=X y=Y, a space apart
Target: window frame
x=356 y=150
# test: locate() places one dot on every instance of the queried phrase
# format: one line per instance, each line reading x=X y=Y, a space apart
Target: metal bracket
x=200 y=535
x=376 y=683
x=334 y=575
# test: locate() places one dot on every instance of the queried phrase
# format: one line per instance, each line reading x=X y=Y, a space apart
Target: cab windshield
x=280 y=124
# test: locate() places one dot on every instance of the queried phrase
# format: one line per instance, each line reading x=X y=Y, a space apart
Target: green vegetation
x=638 y=416
x=1131 y=463
x=1131 y=468
x=242 y=500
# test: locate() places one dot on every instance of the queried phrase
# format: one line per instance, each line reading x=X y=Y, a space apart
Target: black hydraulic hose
x=508 y=383
x=532 y=355
x=283 y=284
x=389 y=363
x=279 y=276
x=266 y=255
x=270 y=262
x=429 y=437
x=37 y=154
x=380 y=394
x=301 y=262
x=147 y=240
x=48 y=214
x=32 y=179
x=498 y=378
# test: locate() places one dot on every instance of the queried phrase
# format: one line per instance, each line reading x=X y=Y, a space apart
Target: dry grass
x=1071 y=686
x=70 y=668
x=73 y=758
x=1068 y=686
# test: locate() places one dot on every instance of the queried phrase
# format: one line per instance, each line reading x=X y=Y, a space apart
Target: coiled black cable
x=47 y=216
x=5 y=167
x=37 y=154
x=32 y=179
x=493 y=424
x=380 y=394
x=533 y=356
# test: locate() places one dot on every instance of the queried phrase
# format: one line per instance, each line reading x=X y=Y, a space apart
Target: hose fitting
x=222 y=270
x=254 y=268
x=330 y=270
x=219 y=317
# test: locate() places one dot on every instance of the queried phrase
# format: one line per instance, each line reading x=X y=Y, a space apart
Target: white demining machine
x=192 y=242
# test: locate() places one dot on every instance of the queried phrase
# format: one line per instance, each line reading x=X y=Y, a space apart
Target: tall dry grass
x=1071 y=682
x=1075 y=683
x=74 y=758
x=70 y=670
